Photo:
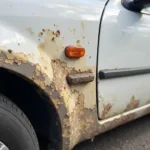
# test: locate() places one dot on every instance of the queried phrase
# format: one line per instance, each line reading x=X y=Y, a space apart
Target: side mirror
x=136 y=5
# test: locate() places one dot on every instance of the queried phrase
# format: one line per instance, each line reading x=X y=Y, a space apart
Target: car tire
x=16 y=131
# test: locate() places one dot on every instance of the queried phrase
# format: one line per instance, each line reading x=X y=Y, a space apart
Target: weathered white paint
x=78 y=23
x=124 y=43
x=21 y=21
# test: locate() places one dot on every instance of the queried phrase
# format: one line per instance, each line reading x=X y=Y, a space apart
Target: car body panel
x=124 y=44
x=34 y=34
x=33 y=38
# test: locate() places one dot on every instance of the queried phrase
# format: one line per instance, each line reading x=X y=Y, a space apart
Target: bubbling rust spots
x=52 y=45
x=17 y=58
x=55 y=25
x=40 y=34
x=121 y=119
x=57 y=33
x=133 y=104
x=106 y=109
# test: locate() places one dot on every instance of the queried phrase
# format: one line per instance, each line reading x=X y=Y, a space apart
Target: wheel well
x=35 y=104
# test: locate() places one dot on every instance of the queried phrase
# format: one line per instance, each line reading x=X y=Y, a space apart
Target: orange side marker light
x=74 y=51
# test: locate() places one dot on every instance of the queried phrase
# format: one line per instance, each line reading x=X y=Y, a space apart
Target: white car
x=71 y=69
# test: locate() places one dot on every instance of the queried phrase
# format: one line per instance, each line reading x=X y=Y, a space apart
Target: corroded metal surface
x=39 y=56
x=76 y=104
x=133 y=104
x=79 y=78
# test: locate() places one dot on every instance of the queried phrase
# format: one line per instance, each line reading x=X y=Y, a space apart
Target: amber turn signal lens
x=74 y=51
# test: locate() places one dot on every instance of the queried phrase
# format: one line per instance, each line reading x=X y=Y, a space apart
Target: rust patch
x=53 y=39
x=106 y=109
x=57 y=33
x=133 y=104
x=77 y=121
x=40 y=34
x=10 y=51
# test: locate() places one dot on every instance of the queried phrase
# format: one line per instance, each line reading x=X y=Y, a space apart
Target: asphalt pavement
x=132 y=136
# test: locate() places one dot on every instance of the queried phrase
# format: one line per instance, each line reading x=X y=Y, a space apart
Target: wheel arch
x=35 y=103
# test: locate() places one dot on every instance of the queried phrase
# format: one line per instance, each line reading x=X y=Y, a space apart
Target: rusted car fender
x=32 y=43
x=78 y=121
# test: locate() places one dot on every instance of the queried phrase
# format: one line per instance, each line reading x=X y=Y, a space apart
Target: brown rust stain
x=106 y=109
x=53 y=38
x=78 y=122
x=122 y=119
x=133 y=104
x=40 y=34
x=57 y=33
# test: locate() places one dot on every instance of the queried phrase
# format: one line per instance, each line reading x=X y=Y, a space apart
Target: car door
x=123 y=60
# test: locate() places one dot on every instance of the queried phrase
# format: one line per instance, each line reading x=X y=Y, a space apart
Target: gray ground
x=132 y=136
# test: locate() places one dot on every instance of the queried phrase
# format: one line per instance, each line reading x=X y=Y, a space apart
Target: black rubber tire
x=16 y=131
